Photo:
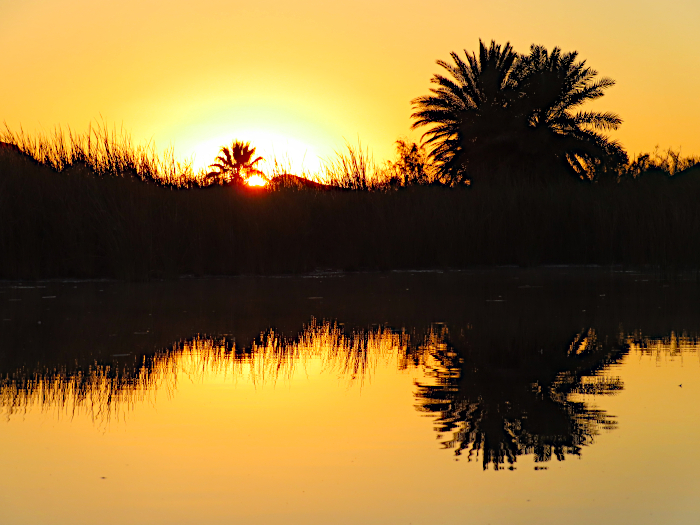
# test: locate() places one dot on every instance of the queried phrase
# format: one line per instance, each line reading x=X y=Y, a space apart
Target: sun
x=256 y=180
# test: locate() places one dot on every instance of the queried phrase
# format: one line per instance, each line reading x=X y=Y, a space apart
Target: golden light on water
x=317 y=430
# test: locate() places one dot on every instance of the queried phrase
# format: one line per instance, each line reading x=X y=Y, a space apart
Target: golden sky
x=298 y=78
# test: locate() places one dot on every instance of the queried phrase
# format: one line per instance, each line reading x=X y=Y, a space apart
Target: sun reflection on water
x=540 y=403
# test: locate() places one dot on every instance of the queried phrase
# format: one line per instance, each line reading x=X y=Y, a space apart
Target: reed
x=81 y=208
x=665 y=162
x=102 y=152
x=354 y=170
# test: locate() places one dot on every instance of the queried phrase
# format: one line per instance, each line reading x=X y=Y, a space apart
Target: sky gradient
x=298 y=79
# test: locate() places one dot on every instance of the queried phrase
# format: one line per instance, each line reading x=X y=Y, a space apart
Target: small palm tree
x=234 y=165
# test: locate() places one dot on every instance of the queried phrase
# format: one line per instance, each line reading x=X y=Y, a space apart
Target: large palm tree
x=503 y=114
x=234 y=165
x=469 y=114
x=553 y=86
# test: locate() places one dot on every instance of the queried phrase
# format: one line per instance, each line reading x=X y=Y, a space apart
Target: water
x=493 y=396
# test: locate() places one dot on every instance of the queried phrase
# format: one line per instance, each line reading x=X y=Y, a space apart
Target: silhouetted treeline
x=76 y=224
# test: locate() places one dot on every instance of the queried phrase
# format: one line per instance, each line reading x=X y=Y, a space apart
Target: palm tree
x=470 y=115
x=553 y=86
x=234 y=165
x=503 y=114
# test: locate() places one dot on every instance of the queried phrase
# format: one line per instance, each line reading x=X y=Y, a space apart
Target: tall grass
x=63 y=217
x=669 y=162
x=101 y=151
x=354 y=170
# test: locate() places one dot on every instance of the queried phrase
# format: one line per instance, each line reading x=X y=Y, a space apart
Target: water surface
x=494 y=396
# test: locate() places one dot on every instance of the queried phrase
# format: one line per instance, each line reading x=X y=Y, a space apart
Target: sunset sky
x=298 y=78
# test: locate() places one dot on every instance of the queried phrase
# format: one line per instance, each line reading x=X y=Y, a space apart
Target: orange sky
x=297 y=78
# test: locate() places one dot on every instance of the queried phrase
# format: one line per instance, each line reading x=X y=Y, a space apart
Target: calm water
x=500 y=396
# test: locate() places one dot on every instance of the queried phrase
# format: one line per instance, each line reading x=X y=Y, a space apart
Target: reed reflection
x=673 y=346
x=103 y=389
x=488 y=403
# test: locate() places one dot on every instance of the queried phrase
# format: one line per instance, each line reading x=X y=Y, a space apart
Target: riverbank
x=75 y=224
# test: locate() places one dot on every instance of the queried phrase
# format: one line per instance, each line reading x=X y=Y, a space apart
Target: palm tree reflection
x=490 y=399
x=530 y=405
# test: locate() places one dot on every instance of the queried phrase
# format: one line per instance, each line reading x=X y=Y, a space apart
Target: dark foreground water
x=498 y=396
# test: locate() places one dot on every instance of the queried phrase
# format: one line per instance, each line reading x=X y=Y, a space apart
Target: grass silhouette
x=100 y=152
x=96 y=206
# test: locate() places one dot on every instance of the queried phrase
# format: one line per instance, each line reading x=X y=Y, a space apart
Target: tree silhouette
x=503 y=114
x=234 y=165
x=411 y=165
x=553 y=85
x=471 y=115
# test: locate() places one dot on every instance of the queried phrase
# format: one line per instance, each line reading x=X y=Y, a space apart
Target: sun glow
x=256 y=180
x=280 y=153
